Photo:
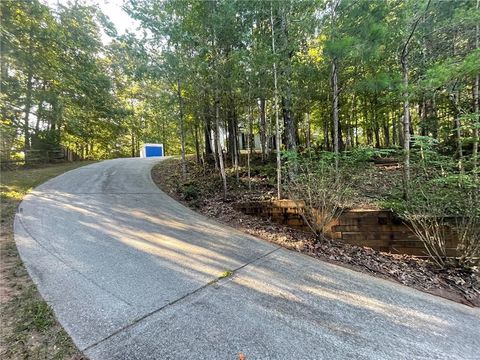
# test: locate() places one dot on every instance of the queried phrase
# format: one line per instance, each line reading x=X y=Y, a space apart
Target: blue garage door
x=153 y=151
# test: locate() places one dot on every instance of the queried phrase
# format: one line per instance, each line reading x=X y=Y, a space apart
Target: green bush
x=190 y=192
x=313 y=178
x=443 y=202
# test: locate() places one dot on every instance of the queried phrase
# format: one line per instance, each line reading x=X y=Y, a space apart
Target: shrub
x=453 y=215
x=190 y=192
x=467 y=229
x=312 y=178
x=443 y=205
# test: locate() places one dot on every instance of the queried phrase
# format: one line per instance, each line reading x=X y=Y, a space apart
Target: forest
x=309 y=87
x=340 y=132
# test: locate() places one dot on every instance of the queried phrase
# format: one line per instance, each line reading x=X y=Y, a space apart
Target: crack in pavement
x=173 y=302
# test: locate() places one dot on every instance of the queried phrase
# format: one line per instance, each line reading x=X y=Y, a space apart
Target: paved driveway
x=132 y=274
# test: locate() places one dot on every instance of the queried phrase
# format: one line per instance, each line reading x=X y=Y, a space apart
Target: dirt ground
x=202 y=191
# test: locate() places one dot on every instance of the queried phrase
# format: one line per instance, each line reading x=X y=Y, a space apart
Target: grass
x=225 y=274
x=29 y=329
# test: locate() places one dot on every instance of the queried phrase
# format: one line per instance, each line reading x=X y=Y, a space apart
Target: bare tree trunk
x=434 y=116
x=217 y=117
x=28 y=95
x=386 y=132
x=406 y=104
x=309 y=131
x=207 y=128
x=39 y=116
x=352 y=128
x=376 y=128
x=216 y=139
x=423 y=117
x=476 y=102
x=335 y=94
x=28 y=106
x=290 y=132
x=219 y=146
x=277 y=121
x=263 y=132
x=197 y=144
x=406 y=128
x=132 y=143
x=249 y=134
x=182 y=129
x=458 y=129
x=356 y=131
x=326 y=140
x=477 y=123
x=336 y=147
x=235 y=151
x=394 y=128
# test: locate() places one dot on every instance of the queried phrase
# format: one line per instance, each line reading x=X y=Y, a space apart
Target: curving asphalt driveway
x=132 y=274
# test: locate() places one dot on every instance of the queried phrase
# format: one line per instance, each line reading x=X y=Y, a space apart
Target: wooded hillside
x=343 y=74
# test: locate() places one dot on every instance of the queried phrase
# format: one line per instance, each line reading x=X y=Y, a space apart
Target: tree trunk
x=335 y=110
x=368 y=125
x=219 y=146
x=434 y=115
x=277 y=121
x=476 y=102
x=335 y=94
x=207 y=129
x=235 y=148
x=326 y=139
x=406 y=105
x=406 y=127
x=309 y=131
x=28 y=106
x=132 y=145
x=39 y=116
x=356 y=131
x=197 y=144
x=477 y=122
x=249 y=134
x=290 y=131
x=28 y=95
x=458 y=130
x=352 y=128
x=423 y=117
x=394 y=129
x=182 y=129
x=263 y=130
x=386 y=132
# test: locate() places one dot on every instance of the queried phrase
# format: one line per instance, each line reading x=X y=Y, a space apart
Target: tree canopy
x=198 y=77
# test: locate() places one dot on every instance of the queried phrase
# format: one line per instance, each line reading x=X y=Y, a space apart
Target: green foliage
x=443 y=204
x=62 y=86
x=326 y=190
x=225 y=274
x=363 y=154
x=190 y=192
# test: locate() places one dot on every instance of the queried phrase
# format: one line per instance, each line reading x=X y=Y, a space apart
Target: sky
x=111 y=8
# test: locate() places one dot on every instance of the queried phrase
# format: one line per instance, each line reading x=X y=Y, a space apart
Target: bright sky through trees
x=111 y=8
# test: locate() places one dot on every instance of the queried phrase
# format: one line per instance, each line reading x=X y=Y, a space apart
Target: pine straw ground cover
x=202 y=191
x=28 y=328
